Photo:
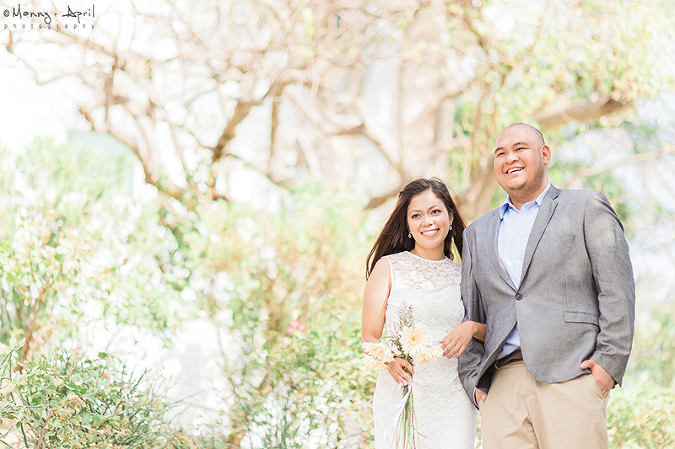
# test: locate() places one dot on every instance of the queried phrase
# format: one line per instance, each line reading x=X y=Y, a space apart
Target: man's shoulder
x=482 y=221
x=575 y=195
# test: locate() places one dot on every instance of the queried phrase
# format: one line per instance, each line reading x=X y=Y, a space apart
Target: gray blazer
x=576 y=298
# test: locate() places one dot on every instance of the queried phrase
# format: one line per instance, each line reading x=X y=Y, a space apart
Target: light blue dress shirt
x=514 y=231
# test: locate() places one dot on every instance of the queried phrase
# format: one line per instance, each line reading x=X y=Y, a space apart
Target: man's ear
x=546 y=154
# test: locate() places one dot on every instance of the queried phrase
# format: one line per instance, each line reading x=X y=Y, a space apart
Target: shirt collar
x=507 y=202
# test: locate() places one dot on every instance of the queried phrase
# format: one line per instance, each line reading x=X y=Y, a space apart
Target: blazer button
x=519 y=296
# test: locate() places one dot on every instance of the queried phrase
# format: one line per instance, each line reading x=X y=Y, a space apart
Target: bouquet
x=409 y=343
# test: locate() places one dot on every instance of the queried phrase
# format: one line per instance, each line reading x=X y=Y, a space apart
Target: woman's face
x=428 y=220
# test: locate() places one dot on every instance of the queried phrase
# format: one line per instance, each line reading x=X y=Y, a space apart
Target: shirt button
x=519 y=296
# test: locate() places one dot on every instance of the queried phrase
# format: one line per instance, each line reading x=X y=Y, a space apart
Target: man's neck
x=519 y=201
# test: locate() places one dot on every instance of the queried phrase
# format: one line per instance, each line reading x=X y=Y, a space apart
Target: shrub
x=642 y=416
x=64 y=400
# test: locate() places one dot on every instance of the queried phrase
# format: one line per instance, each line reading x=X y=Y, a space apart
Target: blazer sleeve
x=613 y=276
x=470 y=360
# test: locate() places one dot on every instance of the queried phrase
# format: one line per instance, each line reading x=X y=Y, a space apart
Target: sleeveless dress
x=446 y=417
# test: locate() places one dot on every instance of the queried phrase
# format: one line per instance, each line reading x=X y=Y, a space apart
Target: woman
x=412 y=262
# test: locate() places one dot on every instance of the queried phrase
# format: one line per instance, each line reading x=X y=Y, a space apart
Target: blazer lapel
x=546 y=209
x=493 y=233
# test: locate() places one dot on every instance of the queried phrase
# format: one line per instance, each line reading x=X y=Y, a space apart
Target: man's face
x=520 y=162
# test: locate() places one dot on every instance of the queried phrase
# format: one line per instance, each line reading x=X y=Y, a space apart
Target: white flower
x=382 y=352
x=373 y=363
x=431 y=353
x=436 y=351
x=414 y=341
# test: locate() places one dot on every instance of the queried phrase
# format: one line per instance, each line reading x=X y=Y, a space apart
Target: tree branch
x=39 y=302
x=381 y=199
x=638 y=158
x=580 y=110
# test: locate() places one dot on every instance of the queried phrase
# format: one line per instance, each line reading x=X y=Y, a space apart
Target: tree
x=292 y=89
x=302 y=93
x=77 y=250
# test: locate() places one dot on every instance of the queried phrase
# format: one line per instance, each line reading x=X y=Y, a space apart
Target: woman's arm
x=375 y=302
x=478 y=330
x=458 y=339
x=372 y=321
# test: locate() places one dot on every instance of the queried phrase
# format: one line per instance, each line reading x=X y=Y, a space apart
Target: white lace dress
x=446 y=417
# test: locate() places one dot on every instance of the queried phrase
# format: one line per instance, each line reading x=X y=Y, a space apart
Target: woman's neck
x=429 y=253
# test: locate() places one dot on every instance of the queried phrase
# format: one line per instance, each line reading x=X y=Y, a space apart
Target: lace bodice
x=409 y=270
x=431 y=287
x=445 y=415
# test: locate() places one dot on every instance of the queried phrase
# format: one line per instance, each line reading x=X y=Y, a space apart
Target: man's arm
x=613 y=276
x=470 y=360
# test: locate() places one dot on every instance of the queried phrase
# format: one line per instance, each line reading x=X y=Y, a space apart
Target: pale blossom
x=436 y=351
x=373 y=363
x=423 y=358
x=382 y=351
x=431 y=353
x=414 y=341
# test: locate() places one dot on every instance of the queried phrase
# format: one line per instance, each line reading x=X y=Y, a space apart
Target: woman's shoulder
x=399 y=259
x=382 y=268
x=453 y=267
x=455 y=264
x=397 y=256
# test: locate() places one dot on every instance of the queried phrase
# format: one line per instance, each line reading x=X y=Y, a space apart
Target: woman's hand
x=456 y=341
x=397 y=372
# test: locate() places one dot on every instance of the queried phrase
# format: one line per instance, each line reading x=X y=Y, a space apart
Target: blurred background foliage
x=259 y=144
x=250 y=273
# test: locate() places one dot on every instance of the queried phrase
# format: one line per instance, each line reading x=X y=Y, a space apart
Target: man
x=550 y=275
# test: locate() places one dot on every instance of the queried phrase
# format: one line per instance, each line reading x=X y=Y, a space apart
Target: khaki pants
x=521 y=413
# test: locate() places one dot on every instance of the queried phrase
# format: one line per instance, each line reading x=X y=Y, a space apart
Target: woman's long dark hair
x=394 y=236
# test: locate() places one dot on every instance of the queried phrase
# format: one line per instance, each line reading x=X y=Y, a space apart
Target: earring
x=450 y=228
x=409 y=235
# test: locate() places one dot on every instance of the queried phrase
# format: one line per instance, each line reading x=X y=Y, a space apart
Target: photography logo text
x=20 y=17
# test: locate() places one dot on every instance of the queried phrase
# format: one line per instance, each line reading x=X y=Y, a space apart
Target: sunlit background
x=189 y=189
